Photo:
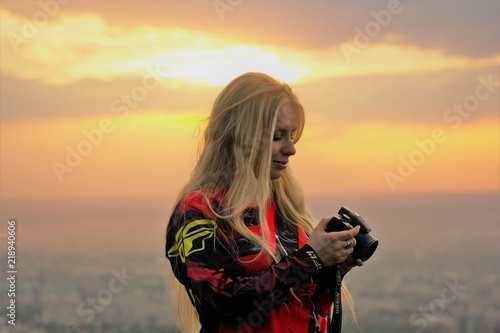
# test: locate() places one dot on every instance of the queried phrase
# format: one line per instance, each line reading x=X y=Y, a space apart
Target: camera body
x=348 y=219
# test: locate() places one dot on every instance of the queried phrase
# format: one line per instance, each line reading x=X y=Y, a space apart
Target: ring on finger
x=348 y=244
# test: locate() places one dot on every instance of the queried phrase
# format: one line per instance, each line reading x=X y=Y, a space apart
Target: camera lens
x=365 y=247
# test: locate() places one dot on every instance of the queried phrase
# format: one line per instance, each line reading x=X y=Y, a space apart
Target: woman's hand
x=332 y=247
x=349 y=263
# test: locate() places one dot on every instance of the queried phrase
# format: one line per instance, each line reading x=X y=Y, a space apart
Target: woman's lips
x=280 y=165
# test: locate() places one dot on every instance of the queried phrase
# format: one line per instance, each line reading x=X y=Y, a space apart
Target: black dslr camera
x=365 y=243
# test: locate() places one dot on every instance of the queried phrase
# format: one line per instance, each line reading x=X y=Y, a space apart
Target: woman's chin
x=275 y=174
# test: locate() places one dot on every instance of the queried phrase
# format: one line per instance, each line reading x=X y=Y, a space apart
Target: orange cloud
x=149 y=154
x=358 y=159
x=85 y=46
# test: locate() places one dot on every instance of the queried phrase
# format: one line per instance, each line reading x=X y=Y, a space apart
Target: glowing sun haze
x=105 y=102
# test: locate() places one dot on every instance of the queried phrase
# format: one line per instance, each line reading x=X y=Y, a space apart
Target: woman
x=241 y=239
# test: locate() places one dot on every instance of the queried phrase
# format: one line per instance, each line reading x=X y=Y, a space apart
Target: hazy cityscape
x=436 y=271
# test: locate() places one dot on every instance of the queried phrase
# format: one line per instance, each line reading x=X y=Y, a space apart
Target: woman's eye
x=276 y=138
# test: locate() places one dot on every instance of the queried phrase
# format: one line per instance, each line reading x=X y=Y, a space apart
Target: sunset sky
x=104 y=99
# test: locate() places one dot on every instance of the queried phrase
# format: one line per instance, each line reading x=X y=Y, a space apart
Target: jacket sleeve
x=202 y=261
x=322 y=297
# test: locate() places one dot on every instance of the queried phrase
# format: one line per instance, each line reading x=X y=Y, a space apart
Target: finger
x=344 y=268
x=347 y=244
x=353 y=242
x=354 y=231
x=348 y=234
x=324 y=222
x=350 y=261
x=359 y=262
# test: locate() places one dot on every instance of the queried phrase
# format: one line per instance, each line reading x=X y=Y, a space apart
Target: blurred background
x=102 y=103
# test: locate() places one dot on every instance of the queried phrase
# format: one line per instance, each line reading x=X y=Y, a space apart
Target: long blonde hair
x=235 y=156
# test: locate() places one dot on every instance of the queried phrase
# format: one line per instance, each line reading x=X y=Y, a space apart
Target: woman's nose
x=289 y=148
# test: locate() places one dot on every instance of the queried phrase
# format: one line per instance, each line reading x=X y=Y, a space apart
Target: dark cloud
x=28 y=99
x=467 y=27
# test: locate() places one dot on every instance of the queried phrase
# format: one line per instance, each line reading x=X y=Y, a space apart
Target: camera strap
x=335 y=319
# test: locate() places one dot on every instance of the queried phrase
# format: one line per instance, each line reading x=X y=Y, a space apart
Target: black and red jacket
x=233 y=288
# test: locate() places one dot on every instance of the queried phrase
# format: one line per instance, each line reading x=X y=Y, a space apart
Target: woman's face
x=283 y=146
